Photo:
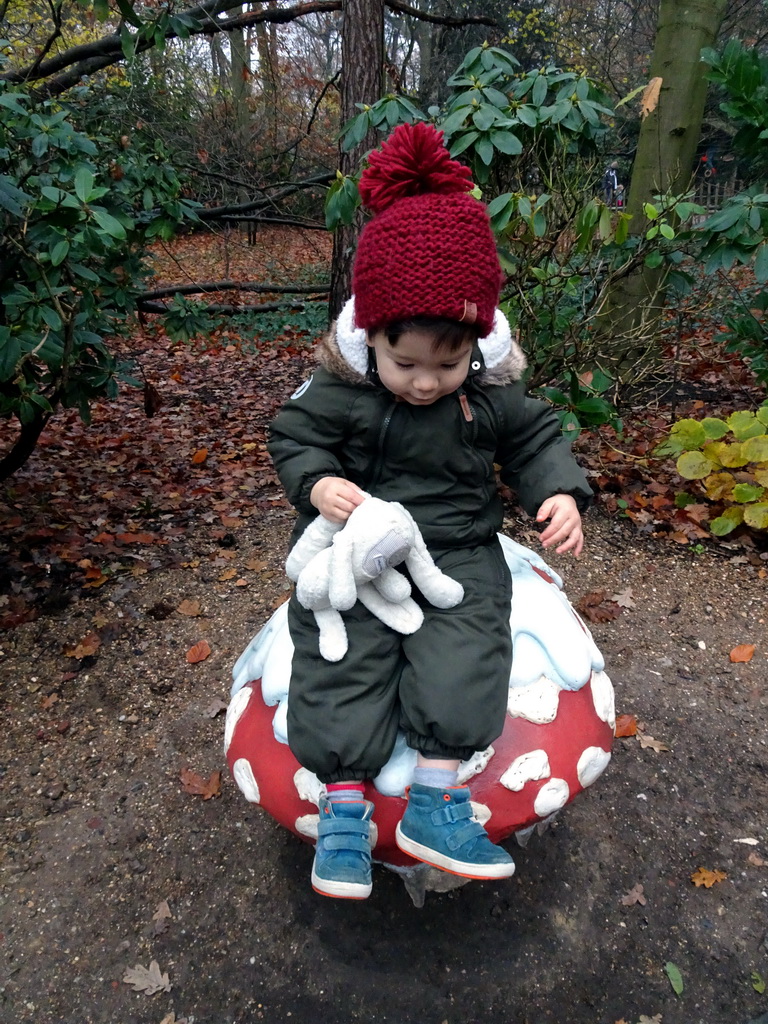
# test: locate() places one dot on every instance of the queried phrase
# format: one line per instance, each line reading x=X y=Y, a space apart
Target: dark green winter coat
x=432 y=459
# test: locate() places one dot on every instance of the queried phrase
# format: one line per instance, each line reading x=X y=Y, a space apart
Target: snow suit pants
x=445 y=686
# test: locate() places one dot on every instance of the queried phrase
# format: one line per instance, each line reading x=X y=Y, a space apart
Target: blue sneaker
x=342 y=865
x=439 y=828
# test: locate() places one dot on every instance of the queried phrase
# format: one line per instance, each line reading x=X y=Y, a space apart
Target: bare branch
x=88 y=58
x=218 y=212
x=232 y=286
x=266 y=307
x=437 y=19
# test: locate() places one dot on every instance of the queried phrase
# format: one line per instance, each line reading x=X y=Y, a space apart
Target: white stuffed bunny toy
x=334 y=565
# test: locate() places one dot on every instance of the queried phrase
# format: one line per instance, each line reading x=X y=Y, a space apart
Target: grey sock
x=437 y=778
x=345 y=794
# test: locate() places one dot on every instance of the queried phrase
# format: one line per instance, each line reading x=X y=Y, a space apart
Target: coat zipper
x=373 y=479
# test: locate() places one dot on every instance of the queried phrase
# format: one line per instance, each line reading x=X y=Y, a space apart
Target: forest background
x=127 y=126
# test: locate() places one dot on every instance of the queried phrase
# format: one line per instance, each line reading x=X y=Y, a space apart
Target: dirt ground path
x=100 y=842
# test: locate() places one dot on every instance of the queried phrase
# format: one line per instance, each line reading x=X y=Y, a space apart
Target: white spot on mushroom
x=474 y=765
x=529 y=767
x=551 y=797
x=242 y=773
x=537 y=703
x=592 y=763
x=308 y=786
x=603 y=698
x=237 y=706
x=481 y=812
x=306 y=825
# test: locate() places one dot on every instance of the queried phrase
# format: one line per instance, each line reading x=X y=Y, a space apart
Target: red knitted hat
x=429 y=249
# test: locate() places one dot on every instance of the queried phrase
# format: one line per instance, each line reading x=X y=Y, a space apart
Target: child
x=417 y=396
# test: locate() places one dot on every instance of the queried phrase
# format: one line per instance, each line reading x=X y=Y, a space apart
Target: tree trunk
x=267 y=47
x=25 y=444
x=240 y=77
x=667 y=145
x=362 y=56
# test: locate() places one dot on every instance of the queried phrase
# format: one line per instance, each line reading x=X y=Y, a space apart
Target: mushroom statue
x=556 y=739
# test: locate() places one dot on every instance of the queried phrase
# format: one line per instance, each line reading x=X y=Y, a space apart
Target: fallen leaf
x=87 y=647
x=215 y=708
x=161 y=917
x=635 y=895
x=707 y=878
x=742 y=653
x=675 y=977
x=191 y=608
x=136 y=538
x=757 y=860
x=625 y=599
x=241 y=582
x=231 y=521
x=255 y=564
x=198 y=786
x=198 y=652
x=655 y=1019
x=149 y=981
x=650 y=98
x=649 y=741
x=163 y=911
x=626 y=725
x=228 y=574
x=48 y=702
x=758 y=982
x=200 y=456
x=596 y=607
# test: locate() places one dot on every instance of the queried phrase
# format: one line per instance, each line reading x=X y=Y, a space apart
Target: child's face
x=415 y=372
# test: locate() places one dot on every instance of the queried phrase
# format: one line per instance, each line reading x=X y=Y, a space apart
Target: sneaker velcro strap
x=463 y=835
x=345 y=826
x=348 y=842
x=451 y=812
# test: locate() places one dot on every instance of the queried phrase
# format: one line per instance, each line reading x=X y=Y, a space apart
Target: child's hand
x=336 y=498
x=565 y=528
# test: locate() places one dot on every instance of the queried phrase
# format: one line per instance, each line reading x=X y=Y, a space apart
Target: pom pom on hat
x=411 y=162
x=429 y=249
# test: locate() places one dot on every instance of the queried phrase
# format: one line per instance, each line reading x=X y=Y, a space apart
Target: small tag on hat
x=469 y=316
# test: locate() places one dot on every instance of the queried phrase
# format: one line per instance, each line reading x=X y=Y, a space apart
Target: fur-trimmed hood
x=509 y=370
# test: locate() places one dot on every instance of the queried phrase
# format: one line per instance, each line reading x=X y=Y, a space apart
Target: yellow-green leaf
x=712 y=450
x=694 y=466
x=760 y=474
x=756 y=515
x=729 y=520
x=756 y=448
x=714 y=428
x=689 y=433
x=744 y=424
x=732 y=456
x=747 y=492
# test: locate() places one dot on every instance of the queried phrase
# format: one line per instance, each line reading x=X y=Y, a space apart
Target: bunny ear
x=342 y=589
x=317 y=536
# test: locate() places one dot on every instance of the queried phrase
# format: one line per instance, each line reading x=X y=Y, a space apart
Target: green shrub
x=728 y=460
x=77 y=212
